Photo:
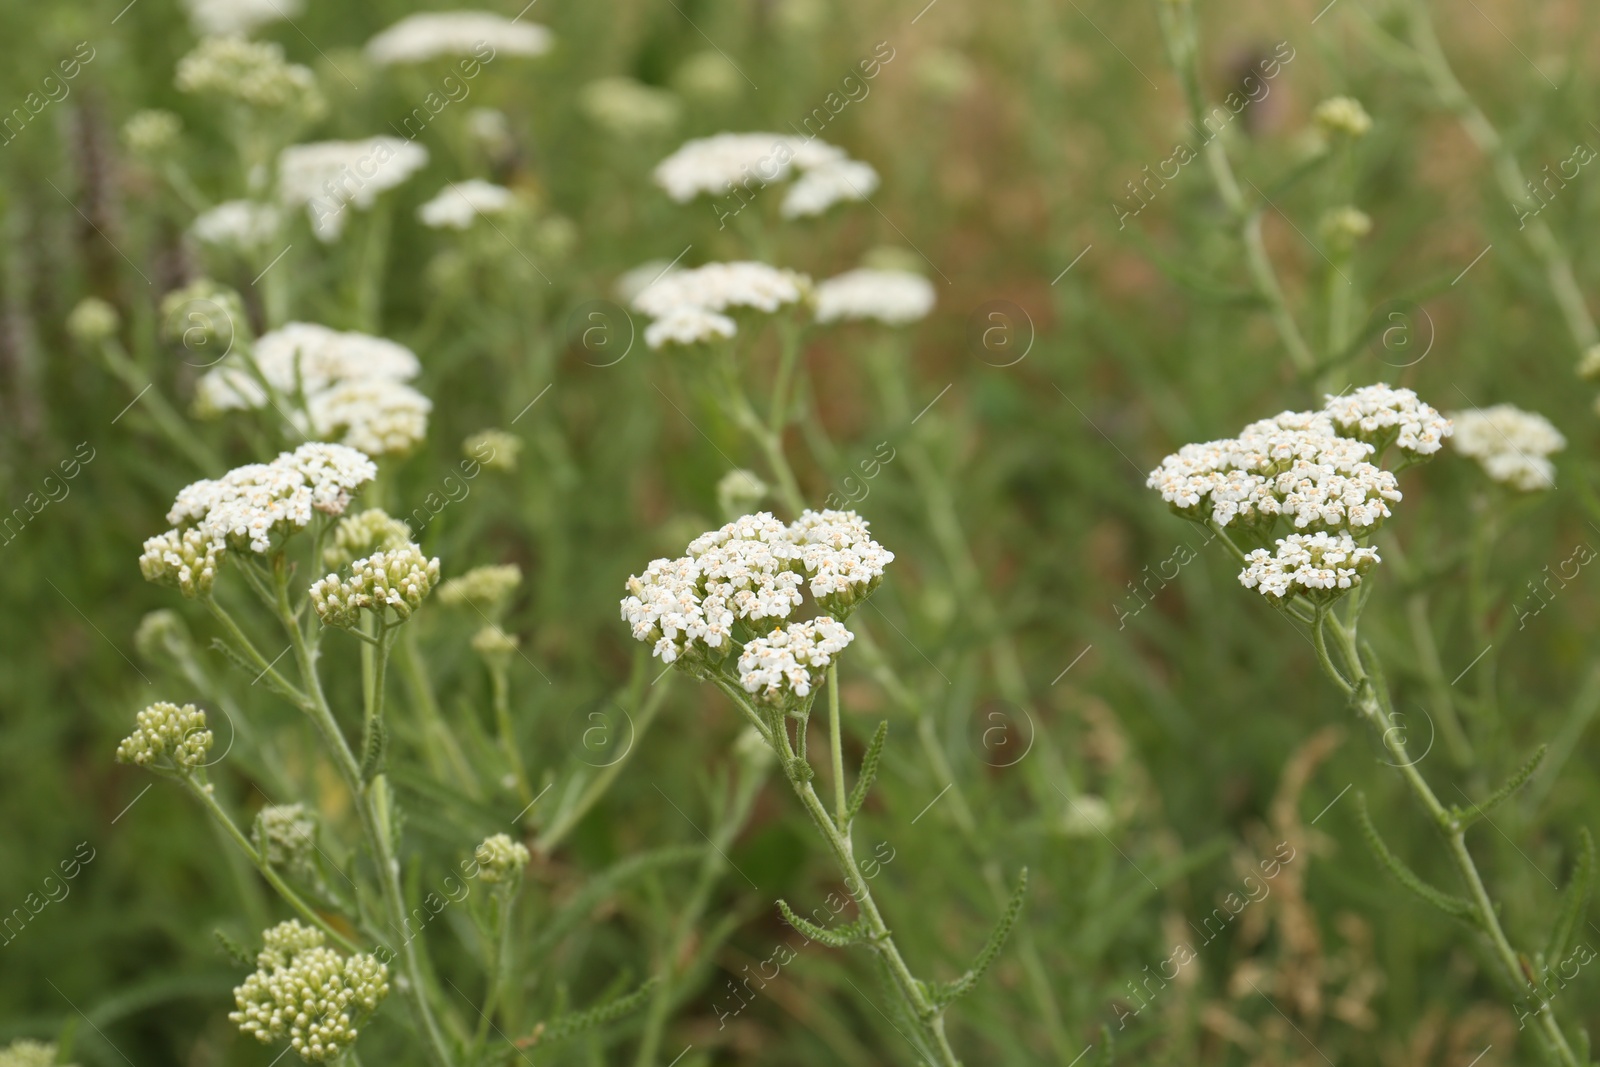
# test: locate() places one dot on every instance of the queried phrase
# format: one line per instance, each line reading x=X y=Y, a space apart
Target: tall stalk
x=1371 y=698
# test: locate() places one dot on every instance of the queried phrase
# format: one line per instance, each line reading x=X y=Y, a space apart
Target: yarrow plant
x=718 y=613
x=1320 y=472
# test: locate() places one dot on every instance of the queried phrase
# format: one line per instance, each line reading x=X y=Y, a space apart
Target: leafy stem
x=1370 y=697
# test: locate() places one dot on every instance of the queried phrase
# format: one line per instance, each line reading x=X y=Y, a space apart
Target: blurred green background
x=1193 y=733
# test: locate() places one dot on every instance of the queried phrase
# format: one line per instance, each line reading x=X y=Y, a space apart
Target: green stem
x=248 y=649
x=204 y=793
x=1182 y=37
x=372 y=804
x=443 y=746
x=929 y=1018
x=508 y=735
x=1373 y=707
x=712 y=867
x=162 y=413
x=835 y=745
x=558 y=829
x=1507 y=173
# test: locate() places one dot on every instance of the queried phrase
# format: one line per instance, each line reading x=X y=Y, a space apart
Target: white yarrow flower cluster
x=1381 y=413
x=377 y=416
x=352 y=386
x=895 y=297
x=1511 y=445
x=818 y=189
x=399 y=579
x=243 y=225
x=435 y=34
x=724 y=286
x=1319 y=566
x=687 y=306
x=717 y=165
x=326 y=176
x=246 y=507
x=306 y=992
x=459 y=204
x=783 y=667
x=220 y=18
x=689 y=325
x=754 y=569
x=1317 y=471
x=166 y=730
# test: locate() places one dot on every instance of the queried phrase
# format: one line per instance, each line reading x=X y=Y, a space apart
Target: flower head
x=164 y=730
x=717 y=165
x=724 y=286
x=484 y=588
x=325 y=176
x=495 y=449
x=754 y=569
x=92 y=321
x=25 y=1053
x=500 y=859
x=629 y=109
x=399 y=579
x=247 y=506
x=894 y=297
x=1320 y=566
x=302 y=359
x=185 y=559
x=1316 y=470
x=739 y=492
x=459 y=204
x=377 y=416
x=238 y=224
x=1511 y=445
x=1381 y=413
x=251 y=72
x=819 y=188
x=434 y=34
x=689 y=325
x=373 y=530
x=782 y=668
x=285 y=834
x=151 y=132
x=306 y=992
x=212 y=18
x=1343 y=116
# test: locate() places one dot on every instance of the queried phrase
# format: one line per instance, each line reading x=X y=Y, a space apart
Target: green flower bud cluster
x=485 y=588
x=163 y=729
x=500 y=859
x=360 y=535
x=306 y=992
x=399 y=579
x=185 y=559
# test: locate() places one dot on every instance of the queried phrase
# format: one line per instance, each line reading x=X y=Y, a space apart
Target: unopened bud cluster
x=306 y=992
x=399 y=579
x=500 y=859
x=166 y=730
